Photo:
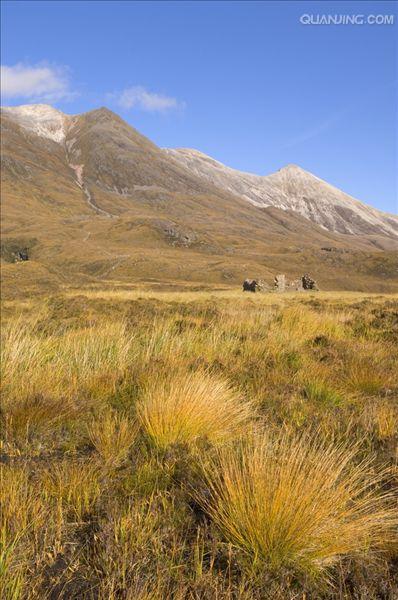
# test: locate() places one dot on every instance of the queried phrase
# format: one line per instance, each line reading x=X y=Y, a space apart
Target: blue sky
x=245 y=82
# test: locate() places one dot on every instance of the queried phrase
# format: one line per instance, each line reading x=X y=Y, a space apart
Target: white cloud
x=138 y=97
x=35 y=82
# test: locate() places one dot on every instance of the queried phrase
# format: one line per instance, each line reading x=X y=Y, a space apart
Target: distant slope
x=292 y=188
x=95 y=201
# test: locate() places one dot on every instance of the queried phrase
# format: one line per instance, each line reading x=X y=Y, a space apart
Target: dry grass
x=317 y=390
x=29 y=530
x=84 y=360
x=114 y=293
x=301 y=502
x=381 y=418
x=186 y=408
x=20 y=508
x=112 y=401
x=112 y=436
x=74 y=486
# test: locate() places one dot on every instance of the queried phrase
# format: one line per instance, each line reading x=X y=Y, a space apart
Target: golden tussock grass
x=301 y=501
x=112 y=436
x=185 y=408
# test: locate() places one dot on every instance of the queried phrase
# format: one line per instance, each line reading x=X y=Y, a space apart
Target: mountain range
x=95 y=201
x=294 y=189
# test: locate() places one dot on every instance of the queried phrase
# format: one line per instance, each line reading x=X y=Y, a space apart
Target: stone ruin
x=21 y=255
x=308 y=282
x=255 y=285
x=263 y=286
x=297 y=285
x=303 y=283
x=250 y=285
x=280 y=283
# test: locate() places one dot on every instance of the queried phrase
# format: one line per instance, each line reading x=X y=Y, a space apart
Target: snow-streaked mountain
x=124 y=167
x=42 y=119
x=292 y=188
x=93 y=199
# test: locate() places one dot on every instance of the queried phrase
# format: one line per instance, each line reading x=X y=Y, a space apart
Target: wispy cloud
x=140 y=98
x=35 y=82
x=313 y=132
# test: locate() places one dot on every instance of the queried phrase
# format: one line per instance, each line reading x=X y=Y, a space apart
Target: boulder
x=308 y=282
x=250 y=285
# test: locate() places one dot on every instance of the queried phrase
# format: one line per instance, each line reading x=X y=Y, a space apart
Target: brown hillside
x=106 y=204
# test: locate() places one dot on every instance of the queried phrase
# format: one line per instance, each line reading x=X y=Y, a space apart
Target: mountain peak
x=291 y=188
x=40 y=110
x=291 y=166
x=102 y=111
x=102 y=115
x=42 y=119
x=293 y=169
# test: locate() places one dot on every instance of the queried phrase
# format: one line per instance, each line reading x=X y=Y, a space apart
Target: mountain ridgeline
x=95 y=201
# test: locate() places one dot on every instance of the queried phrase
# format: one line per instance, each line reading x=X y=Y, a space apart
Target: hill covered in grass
x=93 y=200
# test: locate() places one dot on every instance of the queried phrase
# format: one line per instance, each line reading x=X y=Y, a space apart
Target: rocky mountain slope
x=292 y=188
x=95 y=201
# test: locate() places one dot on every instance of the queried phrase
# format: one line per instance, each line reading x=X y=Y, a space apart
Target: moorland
x=199 y=444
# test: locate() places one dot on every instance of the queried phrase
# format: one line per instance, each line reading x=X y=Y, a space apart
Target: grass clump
x=112 y=436
x=317 y=390
x=74 y=486
x=185 y=408
x=298 y=501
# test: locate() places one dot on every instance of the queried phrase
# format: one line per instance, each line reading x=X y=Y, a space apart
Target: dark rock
x=250 y=285
x=21 y=255
x=308 y=282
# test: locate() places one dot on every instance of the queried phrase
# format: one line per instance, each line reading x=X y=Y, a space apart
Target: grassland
x=199 y=445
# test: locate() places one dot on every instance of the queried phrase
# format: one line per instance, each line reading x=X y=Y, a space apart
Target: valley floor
x=173 y=443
